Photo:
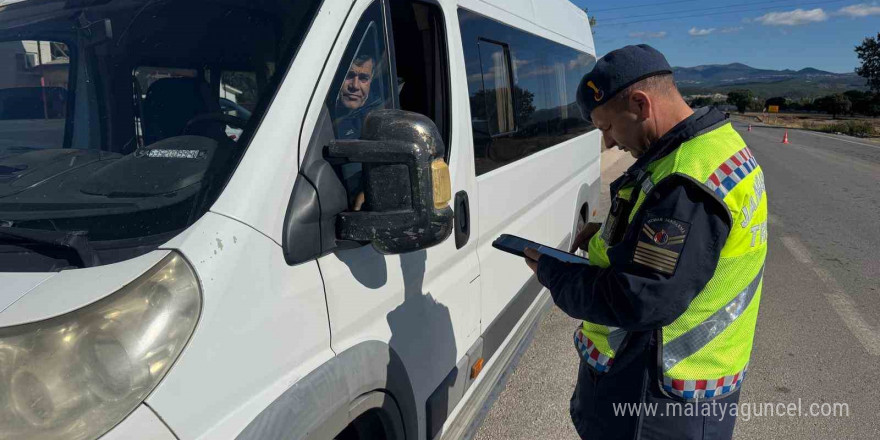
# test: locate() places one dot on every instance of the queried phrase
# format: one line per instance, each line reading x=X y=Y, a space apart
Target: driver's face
x=356 y=87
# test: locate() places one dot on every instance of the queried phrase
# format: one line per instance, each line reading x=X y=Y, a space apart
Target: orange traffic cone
x=785 y=138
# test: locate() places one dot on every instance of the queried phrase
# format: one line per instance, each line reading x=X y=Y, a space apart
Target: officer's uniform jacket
x=671 y=297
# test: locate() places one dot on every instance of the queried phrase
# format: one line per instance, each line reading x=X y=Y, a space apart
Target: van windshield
x=122 y=120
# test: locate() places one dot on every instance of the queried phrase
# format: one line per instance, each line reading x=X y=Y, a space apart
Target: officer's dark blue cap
x=616 y=71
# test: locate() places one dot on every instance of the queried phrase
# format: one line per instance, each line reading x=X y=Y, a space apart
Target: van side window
x=371 y=77
x=363 y=80
x=421 y=61
x=362 y=84
x=522 y=91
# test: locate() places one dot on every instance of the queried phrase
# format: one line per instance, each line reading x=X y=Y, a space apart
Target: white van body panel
x=69 y=290
x=260 y=188
x=520 y=8
x=557 y=20
x=263 y=326
x=511 y=202
x=566 y=20
x=142 y=423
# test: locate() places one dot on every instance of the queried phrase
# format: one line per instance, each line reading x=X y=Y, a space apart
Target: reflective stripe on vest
x=704 y=389
x=590 y=353
x=731 y=172
x=697 y=337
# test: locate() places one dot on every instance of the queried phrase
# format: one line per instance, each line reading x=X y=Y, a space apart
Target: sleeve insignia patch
x=661 y=241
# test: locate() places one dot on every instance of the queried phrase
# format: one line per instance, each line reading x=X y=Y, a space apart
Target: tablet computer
x=517 y=246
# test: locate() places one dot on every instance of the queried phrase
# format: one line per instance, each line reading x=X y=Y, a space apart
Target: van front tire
x=378 y=417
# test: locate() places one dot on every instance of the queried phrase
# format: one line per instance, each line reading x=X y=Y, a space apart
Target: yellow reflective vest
x=705 y=352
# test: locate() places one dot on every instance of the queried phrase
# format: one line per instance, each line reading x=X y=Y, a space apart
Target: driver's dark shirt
x=349 y=125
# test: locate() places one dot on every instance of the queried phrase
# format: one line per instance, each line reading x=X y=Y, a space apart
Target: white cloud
x=731 y=30
x=535 y=72
x=793 y=18
x=519 y=63
x=860 y=10
x=648 y=35
x=583 y=60
x=694 y=32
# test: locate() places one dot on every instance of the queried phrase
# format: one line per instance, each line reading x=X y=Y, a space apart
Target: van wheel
x=370 y=425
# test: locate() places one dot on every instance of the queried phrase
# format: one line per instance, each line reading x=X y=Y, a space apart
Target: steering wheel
x=233 y=121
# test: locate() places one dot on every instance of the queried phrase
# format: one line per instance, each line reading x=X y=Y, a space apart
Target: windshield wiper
x=74 y=240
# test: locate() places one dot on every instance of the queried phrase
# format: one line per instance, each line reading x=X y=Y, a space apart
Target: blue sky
x=772 y=34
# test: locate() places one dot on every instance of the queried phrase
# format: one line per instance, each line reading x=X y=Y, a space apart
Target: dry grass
x=853 y=126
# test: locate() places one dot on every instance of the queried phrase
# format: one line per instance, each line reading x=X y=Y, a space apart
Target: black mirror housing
x=407 y=186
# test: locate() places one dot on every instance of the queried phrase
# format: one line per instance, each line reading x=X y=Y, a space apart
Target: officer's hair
x=658 y=85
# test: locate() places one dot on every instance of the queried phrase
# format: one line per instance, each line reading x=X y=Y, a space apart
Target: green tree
x=834 y=104
x=869 y=54
x=524 y=101
x=592 y=20
x=740 y=98
x=756 y=104
x=484 y=106
x=874 y=106
x=861 y=101
x=702 y=101
x=803 y=104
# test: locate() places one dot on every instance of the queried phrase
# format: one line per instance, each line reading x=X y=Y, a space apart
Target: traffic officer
x=670 y=298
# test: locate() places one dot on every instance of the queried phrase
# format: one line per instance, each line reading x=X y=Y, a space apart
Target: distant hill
x=795 y=84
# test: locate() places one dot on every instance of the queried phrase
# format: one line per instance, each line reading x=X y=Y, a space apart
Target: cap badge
x=597 y=94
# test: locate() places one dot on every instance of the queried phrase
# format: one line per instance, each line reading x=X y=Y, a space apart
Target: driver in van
x=352 y=106
x=354 y=94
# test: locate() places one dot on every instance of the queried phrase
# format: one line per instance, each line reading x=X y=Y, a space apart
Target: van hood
x=17 y=285
x=31 y=297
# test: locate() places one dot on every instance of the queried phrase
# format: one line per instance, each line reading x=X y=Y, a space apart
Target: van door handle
x=462 y=219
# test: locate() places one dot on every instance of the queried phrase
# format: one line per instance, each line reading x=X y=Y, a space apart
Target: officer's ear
x=640 y=104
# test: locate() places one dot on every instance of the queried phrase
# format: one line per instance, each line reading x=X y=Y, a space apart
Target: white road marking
x=836 y=138
x=839 y=300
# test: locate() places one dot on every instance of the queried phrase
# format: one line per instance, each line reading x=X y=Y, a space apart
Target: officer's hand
x=583 y=237
x=532 y=257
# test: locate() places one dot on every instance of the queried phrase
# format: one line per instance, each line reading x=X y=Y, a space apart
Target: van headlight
x=77 y=375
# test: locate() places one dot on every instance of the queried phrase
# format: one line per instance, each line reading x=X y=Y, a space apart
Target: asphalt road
x=818 y=335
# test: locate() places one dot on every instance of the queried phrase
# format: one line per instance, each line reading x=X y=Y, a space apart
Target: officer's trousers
x=629 y=405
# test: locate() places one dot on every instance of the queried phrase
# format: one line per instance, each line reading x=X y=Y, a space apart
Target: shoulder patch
x=660 y=243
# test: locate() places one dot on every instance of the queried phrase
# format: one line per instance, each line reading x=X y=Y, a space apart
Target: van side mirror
x=406 y=183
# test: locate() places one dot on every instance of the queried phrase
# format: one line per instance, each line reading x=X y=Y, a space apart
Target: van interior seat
x=172 y=102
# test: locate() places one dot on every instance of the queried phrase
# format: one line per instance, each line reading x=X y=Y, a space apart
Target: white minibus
x=273 y=219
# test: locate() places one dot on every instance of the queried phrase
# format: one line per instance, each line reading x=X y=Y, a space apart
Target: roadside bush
x=852 y=128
